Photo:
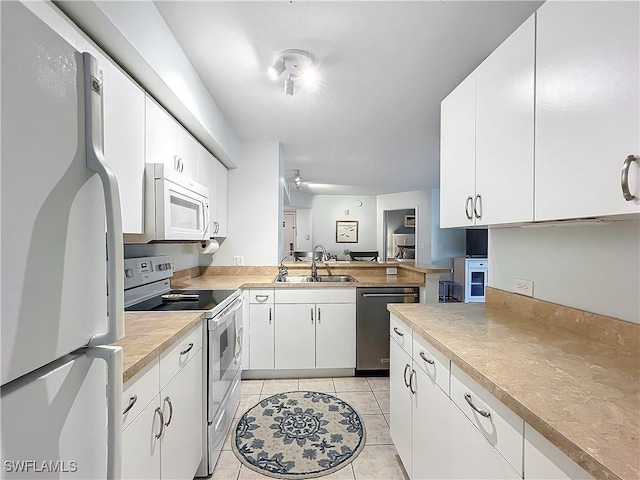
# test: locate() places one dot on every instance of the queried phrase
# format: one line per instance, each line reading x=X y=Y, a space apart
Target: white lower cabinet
x=163 y=428
x=302 y=329
x=444 y=424
x=545 y=461
x=419 y=418
x=471 y=455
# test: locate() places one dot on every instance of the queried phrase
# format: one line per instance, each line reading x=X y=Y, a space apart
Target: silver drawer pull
x=467 y=208
x=404 y=375
x=168 y=400
x=159 y=412
x=484 y=413
x=430 y=362
x=132 y=402
x=262 y=298
x=398 y=332
x=413 y=372
x=184 y=352
x=624 y=180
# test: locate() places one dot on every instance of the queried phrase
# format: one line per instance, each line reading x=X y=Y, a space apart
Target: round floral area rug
x=299 y=435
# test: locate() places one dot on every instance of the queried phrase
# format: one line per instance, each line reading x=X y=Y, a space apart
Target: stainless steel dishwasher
x=372 y=325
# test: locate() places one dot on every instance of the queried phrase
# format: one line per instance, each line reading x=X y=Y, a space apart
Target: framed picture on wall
x=409 y=220
x=346 y=231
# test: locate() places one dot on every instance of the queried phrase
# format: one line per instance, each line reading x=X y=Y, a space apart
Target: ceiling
x=372 y=127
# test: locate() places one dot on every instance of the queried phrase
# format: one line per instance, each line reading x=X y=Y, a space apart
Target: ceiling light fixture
x=297 y=180
x=296 y=64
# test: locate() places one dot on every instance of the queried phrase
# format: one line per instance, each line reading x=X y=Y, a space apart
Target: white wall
x=304 y=229
x=255 y=206
x=421 y=201
x=446 y=243
x=329 y=208
x=590 y=267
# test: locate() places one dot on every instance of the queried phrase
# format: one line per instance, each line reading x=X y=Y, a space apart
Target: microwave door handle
x=207 y=220
x=94 y=143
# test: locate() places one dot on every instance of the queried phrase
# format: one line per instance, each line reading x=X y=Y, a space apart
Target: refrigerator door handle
x=93 y=88
x=113 y=357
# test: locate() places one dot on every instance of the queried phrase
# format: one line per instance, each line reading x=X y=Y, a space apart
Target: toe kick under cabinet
x=446 y=425
x=300 y=329
x=162 y=418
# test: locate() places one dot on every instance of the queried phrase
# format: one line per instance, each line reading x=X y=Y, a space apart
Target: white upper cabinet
x=458 y=156
x=213 y=174
x=587 y=116
x=504 y=131
x=486 y=157
x=124 y=117
x=167 y=142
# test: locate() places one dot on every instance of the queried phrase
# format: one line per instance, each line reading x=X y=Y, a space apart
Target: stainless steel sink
x=309 y=278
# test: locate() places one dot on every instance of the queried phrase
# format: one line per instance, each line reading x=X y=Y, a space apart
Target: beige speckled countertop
x=581 y=394
x=148 y=334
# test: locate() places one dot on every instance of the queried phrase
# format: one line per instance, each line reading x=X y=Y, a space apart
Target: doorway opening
x=289 y=234
x=400 y=235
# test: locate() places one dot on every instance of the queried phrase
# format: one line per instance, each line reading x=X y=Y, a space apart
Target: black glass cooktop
x=177 y=300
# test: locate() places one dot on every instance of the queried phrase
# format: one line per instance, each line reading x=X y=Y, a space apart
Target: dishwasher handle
x=366 y=295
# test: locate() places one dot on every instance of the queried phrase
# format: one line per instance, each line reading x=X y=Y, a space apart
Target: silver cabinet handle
x=467 y=208
x=132 y=402
x=398 y=332
x=404 y=375
x=430 y=362
x=184 y=352
x=159 y=412
x=318 y=314
x=269 y=315
x=477 y=203
x=484 y=413
x=413 y=372
x=168 y=401
x=262 y=298
x=624 y=180
x=312 y=316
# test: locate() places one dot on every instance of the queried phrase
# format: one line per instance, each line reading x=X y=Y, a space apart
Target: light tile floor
x=369 y=396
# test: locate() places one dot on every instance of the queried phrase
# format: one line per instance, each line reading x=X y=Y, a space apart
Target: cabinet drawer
x=315 y=295
x=261 y=295
x=401 y=333
x=432 y=362
x=139 y=391
x=174 y=359
x=502 y=428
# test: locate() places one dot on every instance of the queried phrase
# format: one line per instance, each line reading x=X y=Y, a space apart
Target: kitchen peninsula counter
x=580 y=390
x=149 y=334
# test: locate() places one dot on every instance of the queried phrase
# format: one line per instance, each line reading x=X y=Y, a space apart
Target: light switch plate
x=524 y=287
x=392 y=271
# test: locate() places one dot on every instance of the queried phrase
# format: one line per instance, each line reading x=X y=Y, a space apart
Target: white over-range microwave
x=176 y=207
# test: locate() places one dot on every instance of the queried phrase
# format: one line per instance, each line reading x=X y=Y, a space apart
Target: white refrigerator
x=61 y=258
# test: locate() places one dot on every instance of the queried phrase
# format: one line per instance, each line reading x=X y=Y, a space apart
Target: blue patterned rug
x=299 y=435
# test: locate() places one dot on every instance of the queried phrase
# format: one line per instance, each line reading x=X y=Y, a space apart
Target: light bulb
x=275 y=70
x=310 y=77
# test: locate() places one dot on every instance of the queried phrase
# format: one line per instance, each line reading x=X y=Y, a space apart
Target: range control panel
x=143 y=270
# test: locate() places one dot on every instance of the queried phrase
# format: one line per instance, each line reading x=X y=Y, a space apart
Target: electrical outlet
x=238 y=260
x=524 y=287
x=392 y=271
x=346 y=211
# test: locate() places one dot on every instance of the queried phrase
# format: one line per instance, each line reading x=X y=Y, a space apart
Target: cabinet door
x=400 y=402
x=141 y=446
x=458 y=155
x=187 y=151
x=587 y=116
x=471 y=455
x=430 y=429
x=207 y=176
x=181 y=441
x=336 y=335
x=160 y=135
x=124 y=117
x=504 y=130
x=261 y=336
x=220 y=207
x=295 y=336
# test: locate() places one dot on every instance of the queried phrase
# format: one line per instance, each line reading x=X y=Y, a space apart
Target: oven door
x=225 y=355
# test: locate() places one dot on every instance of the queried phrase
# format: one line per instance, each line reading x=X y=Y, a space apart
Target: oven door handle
x=233 y=306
